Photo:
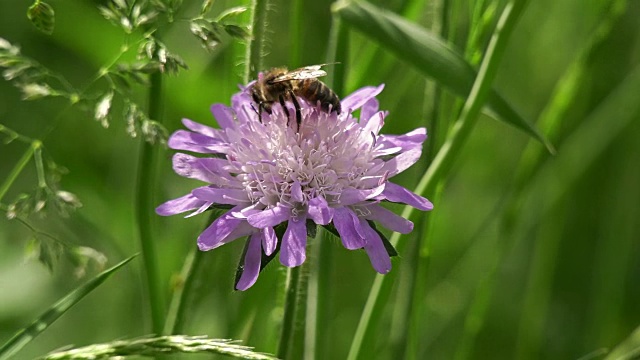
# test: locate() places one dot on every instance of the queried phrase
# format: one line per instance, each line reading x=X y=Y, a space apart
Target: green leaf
x=24 y=336
x=42 y=16
x=429 y=54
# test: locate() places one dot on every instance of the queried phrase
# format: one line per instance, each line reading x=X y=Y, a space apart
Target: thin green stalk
x=552 y=119
x=145 y=189
x=285 y=347
x=337 y=52
x=296 y=20
x=539 y=286
x=180 y=301
x=445 y=158
x=255 y=44
x=175 y=322
x=415 y=319
x=407 y=316
x=316 y=315
x=22 y=163
x=319 y=303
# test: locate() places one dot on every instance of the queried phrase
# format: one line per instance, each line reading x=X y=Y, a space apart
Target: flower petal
x=368 y=109
x=251 y=265
x=375 y=123
x=269 y=217
x=296 y=191
x=396 y=193
x=202 y=209
x=375 y=249
x=221 y=196
x=269 y=240
x=210 y=170
x=179 y=205
x=345 y=222
x=189 y=141
x=389 y=219
x=223 y=230
x=223 y=115
x=352 y=196
x=408 y=141
x=319 y=211
x=294 y=242
x=202 y=129
x=360 y=97
x=402 y=162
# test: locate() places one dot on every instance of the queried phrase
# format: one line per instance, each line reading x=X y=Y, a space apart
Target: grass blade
x=163 y=345
x=628 y=349
x=440 y=166
x=24 y=336
x=429 y=54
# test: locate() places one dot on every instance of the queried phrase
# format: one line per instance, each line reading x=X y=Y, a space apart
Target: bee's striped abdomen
x=315 y=90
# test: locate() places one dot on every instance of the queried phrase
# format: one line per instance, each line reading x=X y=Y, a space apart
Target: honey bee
x=279 y=84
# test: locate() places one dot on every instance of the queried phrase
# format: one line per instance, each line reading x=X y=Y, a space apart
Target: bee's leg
x=284 y=107
x=259 y=111
x=297 y=106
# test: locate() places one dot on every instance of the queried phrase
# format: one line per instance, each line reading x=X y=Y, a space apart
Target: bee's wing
x=307 y=72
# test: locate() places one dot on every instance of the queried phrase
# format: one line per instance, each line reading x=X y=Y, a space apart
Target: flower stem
x=337 y=52
x=255 y=44
x=296 y=21
x=295 y=282
x=443 y=160
x=144 y=210
x=175 y=321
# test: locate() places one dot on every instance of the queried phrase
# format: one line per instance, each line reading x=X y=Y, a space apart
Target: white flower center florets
x=278 y=164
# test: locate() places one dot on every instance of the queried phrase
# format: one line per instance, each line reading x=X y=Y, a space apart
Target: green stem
x=296 y=20
x=175 y=322
x=318 y=295
x=144 y=210
x=286 y=345
x=255 y=45
x=337 y=52
x=552 y=118
x=444 y=159
x=15 y=172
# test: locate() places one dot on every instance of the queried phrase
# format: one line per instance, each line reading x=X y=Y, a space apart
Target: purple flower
x=277 y=181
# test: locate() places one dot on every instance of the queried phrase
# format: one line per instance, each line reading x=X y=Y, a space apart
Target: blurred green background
x=558 y=271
